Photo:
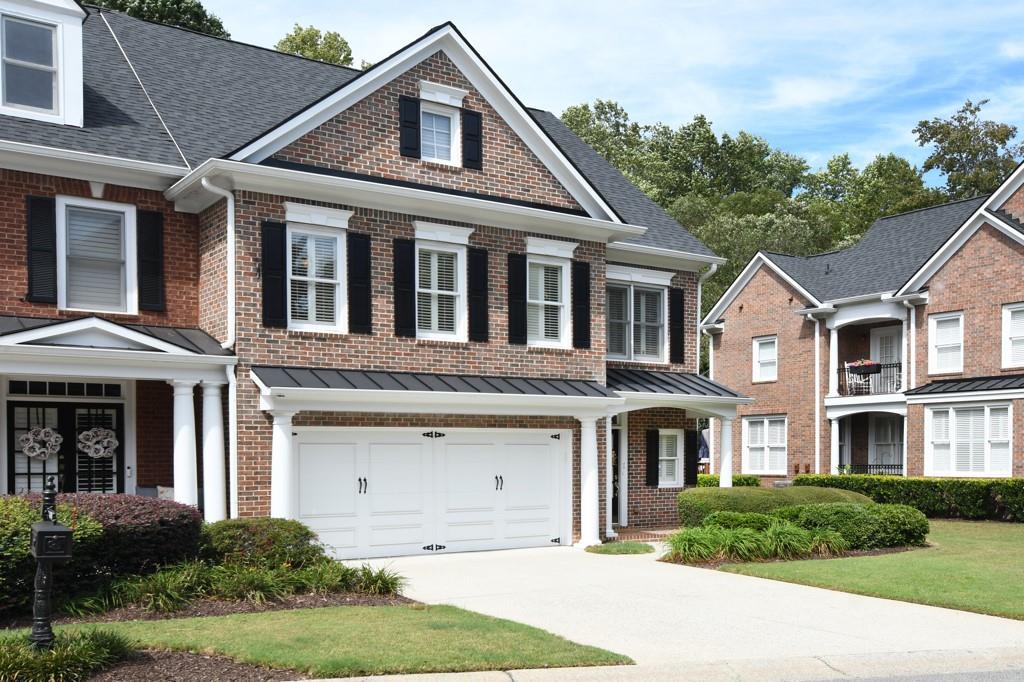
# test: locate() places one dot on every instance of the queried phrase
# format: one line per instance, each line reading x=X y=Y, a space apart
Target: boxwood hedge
x=738 y=480
x=696 y=503
x=862 y=526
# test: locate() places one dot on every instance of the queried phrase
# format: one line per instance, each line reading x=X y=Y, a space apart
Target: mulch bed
x=174 y=666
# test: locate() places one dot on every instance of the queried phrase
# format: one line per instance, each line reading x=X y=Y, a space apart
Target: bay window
x=969 y=440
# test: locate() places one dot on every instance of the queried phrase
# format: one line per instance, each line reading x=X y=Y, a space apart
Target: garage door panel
x=337 y=540
x=398 y=478
x=395 y=536
x=478 y=531
x=468 y=477
x=328 y=480
x=529 y=476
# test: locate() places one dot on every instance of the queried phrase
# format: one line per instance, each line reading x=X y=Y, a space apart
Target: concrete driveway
x=662 y=614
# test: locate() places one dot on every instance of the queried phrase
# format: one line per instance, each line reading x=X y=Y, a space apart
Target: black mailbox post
x=51 y=542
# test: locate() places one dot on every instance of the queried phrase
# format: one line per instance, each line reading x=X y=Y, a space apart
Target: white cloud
x=1012 y=50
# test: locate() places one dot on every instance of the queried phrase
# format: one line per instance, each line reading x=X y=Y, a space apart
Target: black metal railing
x=877 y=469
x=872 y=380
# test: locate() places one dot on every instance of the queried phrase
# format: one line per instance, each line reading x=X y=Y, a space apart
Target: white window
x=636 y=322
x=670 y=458
x=970 y=440
x=1013 y=335
x=766 y=358
x=440 y=287
x=946 y=343
x=440 y=134
x=30 y=78
x=764 y=446
x=96 y=257
x=547 y=294
x=316 y=263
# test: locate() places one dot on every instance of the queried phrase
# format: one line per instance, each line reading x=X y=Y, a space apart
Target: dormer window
x=29 y=65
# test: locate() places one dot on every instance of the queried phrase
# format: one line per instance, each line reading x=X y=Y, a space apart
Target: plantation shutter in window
x=940 y=441
x=691 y=457
x=580 y=304
x=668 y=465
x=404 y=278
x=472 y=140
x=647 y=324
x=517 y=298
x=947 y=344
x=544 y=311
x=999 y=441
x=777 y=445
x=653 y=453
x=150 y=245
x=314 y=279
x=617 y=307
x=42 y=250
x=1016 y=334
x=969 y=453
x=756 y=445
x=436 y=291
x=273 y=267
x=409 y=126
x=477 y=289
x=676 y=326
x=96 y=277
x=360 y=294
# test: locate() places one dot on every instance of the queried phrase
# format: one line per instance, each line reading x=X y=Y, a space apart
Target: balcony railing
x=887 y=379
x=880 y=469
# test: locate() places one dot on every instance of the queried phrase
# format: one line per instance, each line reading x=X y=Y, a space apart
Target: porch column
x=214 y=496
x=609 y=478
x=833 y=362
x=725 y=473
x=834 y=446
x=282 y=468
x=186 y=483
x=589 y=498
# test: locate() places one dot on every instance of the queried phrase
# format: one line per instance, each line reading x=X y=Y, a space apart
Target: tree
x=974 y=155
x=188 y=14
x=310 y=42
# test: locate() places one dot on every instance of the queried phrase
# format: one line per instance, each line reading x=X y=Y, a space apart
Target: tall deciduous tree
x=312 y=43
x=188 y=14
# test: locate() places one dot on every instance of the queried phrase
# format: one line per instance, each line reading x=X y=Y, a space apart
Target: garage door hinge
x=557 y=541
x=429 y=548
x=434 y=548
x=434 y=434
x=556 y=436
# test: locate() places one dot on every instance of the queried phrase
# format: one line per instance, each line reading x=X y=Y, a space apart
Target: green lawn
x=367 y=640
x=970 y=565
x=624 y=547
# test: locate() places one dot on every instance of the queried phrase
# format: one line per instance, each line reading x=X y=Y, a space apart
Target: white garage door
x=390 y=492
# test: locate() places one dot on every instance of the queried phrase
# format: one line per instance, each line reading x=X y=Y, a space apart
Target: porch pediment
x=88 y=332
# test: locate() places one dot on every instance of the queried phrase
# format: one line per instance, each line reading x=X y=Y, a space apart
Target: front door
x=82 y=444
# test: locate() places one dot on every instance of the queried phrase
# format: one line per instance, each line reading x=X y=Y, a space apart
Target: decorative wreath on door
x=98 y=443
x=40 y=442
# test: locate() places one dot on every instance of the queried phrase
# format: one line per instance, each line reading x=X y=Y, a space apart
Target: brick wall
x=212 y=285
x=651 y=507
x=154 y=441
x=364 y=139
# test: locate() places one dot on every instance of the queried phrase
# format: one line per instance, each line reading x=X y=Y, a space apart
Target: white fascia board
x=446 y=39
x=744 y=278
x=839 y=407
x=653 y=256
x=58 y=329
x=965 y=397
x=33 y=158
x=623 y=273
x=189 y=196
x=877 y=296
x=723 y=407
x=1010 y=185
x=116 y=364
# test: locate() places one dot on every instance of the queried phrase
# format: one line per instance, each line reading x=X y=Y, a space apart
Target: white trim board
x=759 y=259
x=42 y=334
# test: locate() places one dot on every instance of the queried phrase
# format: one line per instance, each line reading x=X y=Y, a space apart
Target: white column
x=725 y=469
x=833 y=362
x=283 y=484
x=912 y=377
x=834 y=446
x=905 y=342
x=623 y=469
x=186 y=482
x=589 y=498
x=214 y=495
x=817 y=396
x=609 y=476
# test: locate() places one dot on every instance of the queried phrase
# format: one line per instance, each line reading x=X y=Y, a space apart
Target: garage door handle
x=502 y=479
x=495 y=482
x=366 y=485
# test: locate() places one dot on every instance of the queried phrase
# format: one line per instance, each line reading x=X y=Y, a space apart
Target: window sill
x=756 y=382
x=444 y=165
x=446 y=343
x=946 y=374
x=553 y=350
x=312 y=331
x=671 y=486
x=624 y=361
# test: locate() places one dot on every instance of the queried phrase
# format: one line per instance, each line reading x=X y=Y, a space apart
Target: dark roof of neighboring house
x=189 y=338
x=998 y=383
x=354 y=379
x=668 y=383
x=217 y=95
x=889 y=253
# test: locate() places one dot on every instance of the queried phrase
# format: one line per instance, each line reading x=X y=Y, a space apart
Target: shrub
x=261 y=542
x=74 y=656
x=899 y=525
x=696 y=503
x=696 y=545
x=381 y=581
x=828 y=543
x=745 y=544
x=784 y=540
x=738 y=481
x=731 y=519
x=862 y=527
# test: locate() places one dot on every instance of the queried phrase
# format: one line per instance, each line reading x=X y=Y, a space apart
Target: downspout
x=700 y=286
x=229 y=342
x=817 y=393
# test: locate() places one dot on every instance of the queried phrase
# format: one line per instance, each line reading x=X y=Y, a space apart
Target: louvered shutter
x=409 y=126
x=691 y=457
x=274 y=270
x=940 y=441
x=404 y=279
x=969 y=450
x=999 y=441
x=580 y=304
x=472 y=140
x=477 y=285
x=516 y=298
x=648 y=324
x=360 y=294
x=617 y=323
x=676 y=326
x=42 y=250
x=653 y=452
x=150 y=246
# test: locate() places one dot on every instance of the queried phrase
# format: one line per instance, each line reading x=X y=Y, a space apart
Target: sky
x=813 y=78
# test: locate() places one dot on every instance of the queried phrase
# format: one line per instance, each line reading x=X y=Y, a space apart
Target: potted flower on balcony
x=863 y=367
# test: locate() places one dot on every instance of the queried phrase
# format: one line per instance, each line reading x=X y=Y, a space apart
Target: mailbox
x=51 y=541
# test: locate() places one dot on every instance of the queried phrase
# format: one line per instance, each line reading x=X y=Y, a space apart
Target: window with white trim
x=945 y=343
x=969 y=440
x=29 y=55
x=766 y=358
x=764 y=445
x=316 y=260
x=96 y=257
x=670 y=458
x=440 y=291
x=1013 y=335
x=440 y=133
x=547 y=294
x=636 y=322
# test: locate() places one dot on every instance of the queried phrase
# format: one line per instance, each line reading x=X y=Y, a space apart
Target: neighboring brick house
x=932 y=300
x=395 y=304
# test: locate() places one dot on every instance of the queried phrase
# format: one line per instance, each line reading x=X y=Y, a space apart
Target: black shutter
x=477 y=295
x=273 y=265
x=150 y=245
x=653 y=454
x=409 y=126
x=405 y=287
x=691 y=456
x=42 y=250
x=580 y=304
x=472 y=139
x=676 y=326
x=360 y=297
x=517 y=298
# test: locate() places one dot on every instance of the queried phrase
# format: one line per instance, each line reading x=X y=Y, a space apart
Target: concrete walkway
x=671 y=618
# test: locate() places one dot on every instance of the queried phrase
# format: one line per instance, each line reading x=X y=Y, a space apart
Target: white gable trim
x=448 y=40
x=741 y=282
x=39 y=335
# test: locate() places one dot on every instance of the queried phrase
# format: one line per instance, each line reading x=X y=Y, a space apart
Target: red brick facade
x=649 y=506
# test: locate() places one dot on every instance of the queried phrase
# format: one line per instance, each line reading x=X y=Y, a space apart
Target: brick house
x=395 y=304
x=902 y=355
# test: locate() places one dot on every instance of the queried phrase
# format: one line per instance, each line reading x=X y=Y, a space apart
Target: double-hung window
x=29 y=55
x=315 y=275
x=972 y=440
x=946 y=343
x=440 y=132
x=670 y=468
x=636 y=322
x=766 y=358
x=547 y=294
x=1013 y=335
x=440 y=291
x=764 y=445
x=96 y=256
